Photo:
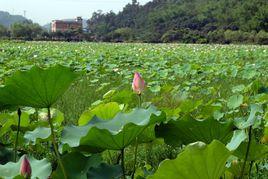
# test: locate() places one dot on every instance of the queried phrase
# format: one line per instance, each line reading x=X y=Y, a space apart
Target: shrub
x=262 y=37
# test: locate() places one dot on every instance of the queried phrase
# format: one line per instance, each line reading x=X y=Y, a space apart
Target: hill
x=202 y=21
x=7 y=19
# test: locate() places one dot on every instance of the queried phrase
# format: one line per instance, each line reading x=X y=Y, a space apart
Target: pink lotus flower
x=25 y=168
x=138 y=84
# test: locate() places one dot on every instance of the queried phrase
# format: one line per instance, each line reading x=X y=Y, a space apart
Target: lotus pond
x=68 y=110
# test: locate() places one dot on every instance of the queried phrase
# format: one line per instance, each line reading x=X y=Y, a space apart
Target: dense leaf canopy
x=192 y=21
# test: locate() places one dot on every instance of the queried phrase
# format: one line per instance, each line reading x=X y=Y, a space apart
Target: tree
x=36 y=30
x=25 y=30
x=3 y=31
x=262 y=37
x=21 y=31
x=122 y=34
x=134 y=2
x=205 y=21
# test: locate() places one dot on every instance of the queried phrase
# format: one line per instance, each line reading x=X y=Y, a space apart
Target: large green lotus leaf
x=37 y=87
x=77 y=165
x=187 y=130
x=114 y=134
x=238 y=137
x=256 y=151
x=38 y=133
x=104 y=111
x=198 y=160
x=148 y=135
x=234 y=101
x=40 y=168
x=242 y=124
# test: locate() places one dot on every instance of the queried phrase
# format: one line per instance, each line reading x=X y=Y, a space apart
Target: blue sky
x=43 y=11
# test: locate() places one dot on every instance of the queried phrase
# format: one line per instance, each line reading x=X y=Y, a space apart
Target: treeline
x=27 y=30
x=183 y=21
x=186 y=21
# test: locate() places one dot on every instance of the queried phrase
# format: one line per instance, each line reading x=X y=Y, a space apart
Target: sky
x=44 y=11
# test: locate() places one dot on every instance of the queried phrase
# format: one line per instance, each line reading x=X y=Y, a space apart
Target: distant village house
x=67 y=25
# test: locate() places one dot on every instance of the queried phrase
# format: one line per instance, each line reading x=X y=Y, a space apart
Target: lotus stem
x=123 y=163
x=247 y=152
x=53 y=138
x=139 y=95
x=257 y=169
x=17 y=136
x=136 y=144
x=36 y=114
x=110 y=156
x=250 y=168
x=118 y=159
x=135 y=158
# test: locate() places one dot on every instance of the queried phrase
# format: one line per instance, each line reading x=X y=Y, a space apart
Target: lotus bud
x=25 y=168
x=138 y=84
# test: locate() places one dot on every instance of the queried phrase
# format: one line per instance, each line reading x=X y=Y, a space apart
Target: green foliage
x=198 y=160
x=114 y=134
x=202 y=93
x=257 y=151
x=104 y=171
x=238 y=137
x=235 y=101
x=185 y=21
x=252 y=118
x=7 y=120
x=237 y=36
x=103 y=111
x=3 y=31
x=77 y=165
x=197 y=21
x=188 y=130
x=6 y=154
x=262 y=37
x=38 y=133
x=25 y=30
x=122 y=34
x=37 y=87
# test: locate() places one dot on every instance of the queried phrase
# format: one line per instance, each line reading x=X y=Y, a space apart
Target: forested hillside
x=7 y=19
x=189 y=21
